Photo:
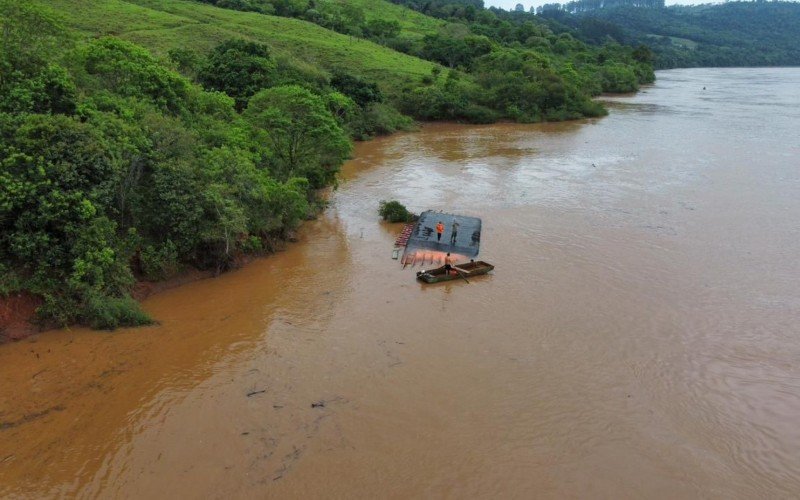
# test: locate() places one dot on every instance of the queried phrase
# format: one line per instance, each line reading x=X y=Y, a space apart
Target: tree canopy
x=306 y=141
x=729 y=34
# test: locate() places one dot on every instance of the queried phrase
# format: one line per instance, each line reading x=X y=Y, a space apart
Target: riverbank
x=18 y=311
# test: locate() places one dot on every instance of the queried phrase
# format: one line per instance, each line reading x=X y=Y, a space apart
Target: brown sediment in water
x=80 y=384
x=637 y=338
x=18 y=310
x=144 y=289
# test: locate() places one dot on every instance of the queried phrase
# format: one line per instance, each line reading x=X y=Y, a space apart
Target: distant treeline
x=729 y=34
x=756 y=33
x=590 y=5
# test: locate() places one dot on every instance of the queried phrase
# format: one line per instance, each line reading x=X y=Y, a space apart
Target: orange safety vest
x=440 y=228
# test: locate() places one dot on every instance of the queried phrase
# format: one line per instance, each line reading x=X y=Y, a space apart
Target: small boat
x=466 y=270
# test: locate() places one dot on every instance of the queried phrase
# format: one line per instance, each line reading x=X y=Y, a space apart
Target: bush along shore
x=123 y=163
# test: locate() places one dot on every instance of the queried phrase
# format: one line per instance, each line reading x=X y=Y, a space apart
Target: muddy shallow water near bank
x=639 y=335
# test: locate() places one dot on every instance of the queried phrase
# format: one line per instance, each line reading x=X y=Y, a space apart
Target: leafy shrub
x=455 y=51
x=186 y=60
x=381 y=29
x=436 y=102
x=239 y=68
x=159 y=261
x=359 y=90
x=644 y=73
x=378 y=119
x=50 y=90
x=9 y=281
x=252 y=244
x=593 y=109
x=394 y=211
x=106 y=313
x=401 y=44
x=261 y=6
x=130 y=70
x=475 y=113
x=617 y=77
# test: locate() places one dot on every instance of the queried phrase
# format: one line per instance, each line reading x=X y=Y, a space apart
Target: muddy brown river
x=639 y=337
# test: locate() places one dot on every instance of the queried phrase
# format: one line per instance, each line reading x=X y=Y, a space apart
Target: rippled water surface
x=639 y=337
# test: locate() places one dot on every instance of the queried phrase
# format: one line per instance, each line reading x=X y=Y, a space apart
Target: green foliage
x=346 y=18
x=252 y=245
x=105 y=313
x=526 y=67
x=108 y=158
x=186 y=60
x=159 y=262
x=476 y=113
x=49 y=90
x=454 y=51
x=599 y=31
x=729 y=34
x=435 y=102
x=394 y=211
x=9 y=281
x=304 y=137
x=643 y=54
x=28 y=37
x=358 y=89
x=377 y=119
x=340 y=106
x=238 y=68
x=261 y=6
x=618 y=78
x=28 y=82
x=381 y=29
x=470 y=34
x=130 y=71
x=57 y=178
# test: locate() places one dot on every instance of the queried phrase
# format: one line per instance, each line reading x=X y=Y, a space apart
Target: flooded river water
x=639 y=337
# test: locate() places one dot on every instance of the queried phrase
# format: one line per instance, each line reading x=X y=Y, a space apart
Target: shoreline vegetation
x=128 y=158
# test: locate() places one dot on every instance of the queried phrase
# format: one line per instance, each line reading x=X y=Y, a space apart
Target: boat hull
x=467 y=271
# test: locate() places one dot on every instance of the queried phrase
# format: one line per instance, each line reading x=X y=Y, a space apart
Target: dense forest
x=730 y=34
x=137 y=141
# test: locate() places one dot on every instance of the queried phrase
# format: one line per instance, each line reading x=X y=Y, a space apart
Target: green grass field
x=681 y=42
x=161 y=25
x=413 y=23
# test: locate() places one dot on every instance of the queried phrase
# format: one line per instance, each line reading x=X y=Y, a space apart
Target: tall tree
x=305 y=138
x=239 y=68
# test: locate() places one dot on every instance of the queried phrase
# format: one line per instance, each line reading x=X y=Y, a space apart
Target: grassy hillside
x=412 y=22
x=161 y=25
